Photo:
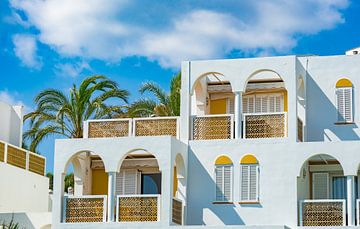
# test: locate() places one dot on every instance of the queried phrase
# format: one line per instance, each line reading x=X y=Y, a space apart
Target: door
x=218 y=106
x=339 y=187
x=151 y=183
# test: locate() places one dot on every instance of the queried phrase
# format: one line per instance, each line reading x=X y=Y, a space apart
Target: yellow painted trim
x=99 y=182
x=218 y=106
x=175 y=182
x=285 y=101
x=249 y=159
x=344 y=83
x=223 y=160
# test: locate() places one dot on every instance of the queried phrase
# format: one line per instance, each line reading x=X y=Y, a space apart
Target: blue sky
x=53 y=44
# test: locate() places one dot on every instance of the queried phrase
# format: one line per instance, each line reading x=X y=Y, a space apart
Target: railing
x=22 y=158
x=157 y=126
x=358 y=212
x=212 y=127
x=84 y=209
x=264 y=125
x=300 y=130
x=177 y=211
x=138 y=208
x=322 y=213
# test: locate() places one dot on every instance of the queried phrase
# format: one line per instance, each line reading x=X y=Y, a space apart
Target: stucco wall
x=280 y=165
x=22 y=191
x=11 y=124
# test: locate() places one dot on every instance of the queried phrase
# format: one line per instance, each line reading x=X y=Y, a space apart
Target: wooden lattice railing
x=155 y=126
x=212 y=127
x=322 y=213
x=22 y=158
x=138 y=208
x=264 y=125
x=177 y=211
x=84 y=209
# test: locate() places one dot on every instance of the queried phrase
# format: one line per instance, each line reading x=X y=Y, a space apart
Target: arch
x=343 y=82
x=75 y=155
x=179 y=184
x=249 y=159
x=223 y=160
x=135 y=151
x=261 y=71
x=318 y=156
x=216 y=75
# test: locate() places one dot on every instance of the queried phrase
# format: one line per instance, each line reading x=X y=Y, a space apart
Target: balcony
x=212 y=127
x=22 y=158
x=177 y=211
x=107 y=128
x=138 y=208
x=322 y=213
x=264 y=125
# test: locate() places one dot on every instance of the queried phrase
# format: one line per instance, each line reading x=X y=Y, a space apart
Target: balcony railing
x=84 y=209
x=138 y=208
x=22 y=158
x=106 y=128
x=177 y=211
x=213 y=127
x=264 y=125
x=322 y=213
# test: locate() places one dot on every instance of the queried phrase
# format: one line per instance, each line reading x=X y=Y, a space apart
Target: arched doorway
x=85 y=189
x=212 y=107
x=138 y=188
x=264 y=106
x=179 y=190
x=321 y=192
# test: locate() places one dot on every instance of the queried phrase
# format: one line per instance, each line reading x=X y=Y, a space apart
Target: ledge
x=344 y=123
x=223 y=202
x=249 y=202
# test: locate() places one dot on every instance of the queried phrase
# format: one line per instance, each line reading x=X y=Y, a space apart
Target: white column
x=238 y=114
x=350 y=199
x=111 y=196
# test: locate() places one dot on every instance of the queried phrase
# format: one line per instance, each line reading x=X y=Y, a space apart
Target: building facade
x=261 y=142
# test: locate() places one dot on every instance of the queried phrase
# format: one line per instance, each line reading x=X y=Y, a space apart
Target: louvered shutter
x=249 y=183
x=244 y=182
x=223 y=179
x=344 y=104
x=248 y=104
x=126 y=182
x=219 y=173
x=320 y=185
x=227 y=183
x=231 y=106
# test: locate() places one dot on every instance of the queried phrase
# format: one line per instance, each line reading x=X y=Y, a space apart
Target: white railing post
x=178 y=128
x=86 y=129
x=301 y=213
x=27 y=160
x=131 y=127
x=238 y=114
x=357 y=212
x=5 y=152
x=111 y=195
x=350 y=194
x=158 y=207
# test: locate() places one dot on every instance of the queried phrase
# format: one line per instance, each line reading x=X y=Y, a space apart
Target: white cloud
x=71 y=69
x=25 y=49
x=168 y=34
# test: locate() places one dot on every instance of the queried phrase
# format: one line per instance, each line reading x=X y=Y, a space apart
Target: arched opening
x=322 y=187
x=223 y=179
x=212 y=107
x=301 y=109
x=212 y=94
x=264 y=102
x=85 y=189
x=249 y=178
x=138 y=187
x=344 y=100
x=179 y=190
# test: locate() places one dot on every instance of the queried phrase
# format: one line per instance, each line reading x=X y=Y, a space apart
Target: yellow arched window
x=344 y=103
x=223 y=179
x=249 y=175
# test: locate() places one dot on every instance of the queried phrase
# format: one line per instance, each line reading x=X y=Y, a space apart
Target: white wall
x=22 y=191
x=11 y=124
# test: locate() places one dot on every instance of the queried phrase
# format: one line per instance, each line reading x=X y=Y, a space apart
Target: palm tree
x=166 y=104
x=60 y=114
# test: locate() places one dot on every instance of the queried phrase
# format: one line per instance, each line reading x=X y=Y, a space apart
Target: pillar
x=350 y=199
x=111 y=196
x=238 y=114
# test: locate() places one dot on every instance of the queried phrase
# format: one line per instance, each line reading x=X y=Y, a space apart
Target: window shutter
x=244 y=182
x=230 y=106
x=258 y=104
x=219 y=183
x=249 y=183
x=344 y=104
x=320 y=185
x=223 y=179
x=248 y=104
x=126 y=182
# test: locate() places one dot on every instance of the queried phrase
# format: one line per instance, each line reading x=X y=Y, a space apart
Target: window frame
x=224 y=200
x=341 y=119
x=257 y=198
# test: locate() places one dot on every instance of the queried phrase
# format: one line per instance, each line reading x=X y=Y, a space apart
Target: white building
x=263 y=142
x=24 y=188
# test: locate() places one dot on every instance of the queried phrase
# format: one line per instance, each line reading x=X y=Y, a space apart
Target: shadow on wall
x=322 y=116
x=28 y=221
x=202 y=196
